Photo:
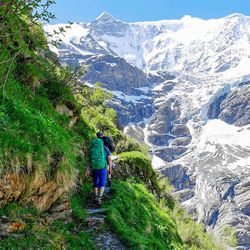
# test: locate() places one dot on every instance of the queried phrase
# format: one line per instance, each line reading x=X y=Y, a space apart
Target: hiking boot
x=99 y=200
x=96 y=198
x=109 y=183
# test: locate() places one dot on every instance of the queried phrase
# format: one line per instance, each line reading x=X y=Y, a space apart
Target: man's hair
x=99 y=134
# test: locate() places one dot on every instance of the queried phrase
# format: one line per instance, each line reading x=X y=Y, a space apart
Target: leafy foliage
x=192 y=234
x=96 y=112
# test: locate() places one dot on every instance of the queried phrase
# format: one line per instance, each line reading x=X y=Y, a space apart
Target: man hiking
x=107 y=142
x=100 y=159
x=108 y=147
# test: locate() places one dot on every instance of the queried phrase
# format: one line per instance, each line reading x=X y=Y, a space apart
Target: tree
x=19 y=19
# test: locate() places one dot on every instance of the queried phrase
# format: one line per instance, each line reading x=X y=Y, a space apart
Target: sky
x=146 y=10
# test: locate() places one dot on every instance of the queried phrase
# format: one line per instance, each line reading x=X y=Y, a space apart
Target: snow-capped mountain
x=189 y=44
x=183 y=87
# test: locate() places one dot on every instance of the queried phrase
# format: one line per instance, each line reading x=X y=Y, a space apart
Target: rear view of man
x=108 y=148
x=100 y=155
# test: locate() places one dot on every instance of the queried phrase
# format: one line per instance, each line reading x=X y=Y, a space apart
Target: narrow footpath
x=103 y=238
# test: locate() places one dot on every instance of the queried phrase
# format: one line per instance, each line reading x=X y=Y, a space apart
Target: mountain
x=183 y=87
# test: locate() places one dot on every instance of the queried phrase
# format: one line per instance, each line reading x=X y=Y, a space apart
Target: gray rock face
x=128 y=112
x=115 y=73
x=167 y=132
x=169 y=112
x=219 y=194
x=170 y=154
x=233 y=108
x=178 y=177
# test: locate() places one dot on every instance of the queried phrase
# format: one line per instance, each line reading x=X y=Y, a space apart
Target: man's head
x=99 y=134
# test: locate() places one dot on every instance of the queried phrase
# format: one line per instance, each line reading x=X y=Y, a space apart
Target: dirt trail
x=96 y=225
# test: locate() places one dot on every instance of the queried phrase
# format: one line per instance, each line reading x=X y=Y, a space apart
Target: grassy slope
x=38 y=234
x=140 y=221
x=145 y=221
x=38 y=146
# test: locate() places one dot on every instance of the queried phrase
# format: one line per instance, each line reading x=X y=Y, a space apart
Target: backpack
x=97 y=155
x=108 y=143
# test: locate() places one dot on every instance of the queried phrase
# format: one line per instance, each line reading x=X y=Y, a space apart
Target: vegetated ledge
x=137 y=165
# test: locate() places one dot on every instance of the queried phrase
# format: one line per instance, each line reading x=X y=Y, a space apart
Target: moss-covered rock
x=136 y=165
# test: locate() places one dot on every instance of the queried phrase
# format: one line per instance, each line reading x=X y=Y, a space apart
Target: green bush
x=125 y=144
x=95 y=111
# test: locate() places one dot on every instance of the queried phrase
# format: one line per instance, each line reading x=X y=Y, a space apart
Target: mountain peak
x=237 y=15
x=105 y=17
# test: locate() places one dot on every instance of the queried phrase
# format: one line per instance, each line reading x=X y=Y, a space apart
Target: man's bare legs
x=101 y=191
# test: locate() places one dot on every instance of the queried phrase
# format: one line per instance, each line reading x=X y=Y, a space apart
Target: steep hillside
x=187 y=72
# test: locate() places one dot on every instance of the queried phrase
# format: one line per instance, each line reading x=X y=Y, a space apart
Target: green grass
x=33 y=130
x=137 y=165
x=139 y=220
x=33 y=134
x=55 y=236
x=192 y=233
x=34 y=138
x=15 y=210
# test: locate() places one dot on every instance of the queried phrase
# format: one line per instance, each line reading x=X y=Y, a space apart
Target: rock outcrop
x=233 y=108
x=115 y=74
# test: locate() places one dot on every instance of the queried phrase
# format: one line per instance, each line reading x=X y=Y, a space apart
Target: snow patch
x=130 y=98
x=157 y=162
x=218 y=132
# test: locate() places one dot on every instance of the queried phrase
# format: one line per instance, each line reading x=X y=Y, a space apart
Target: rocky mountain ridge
x=182 y=87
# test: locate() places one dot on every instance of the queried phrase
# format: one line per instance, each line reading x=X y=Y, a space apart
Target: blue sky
x=146 y=10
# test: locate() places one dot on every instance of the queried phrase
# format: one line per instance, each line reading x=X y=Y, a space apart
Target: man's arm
x=87 y=170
